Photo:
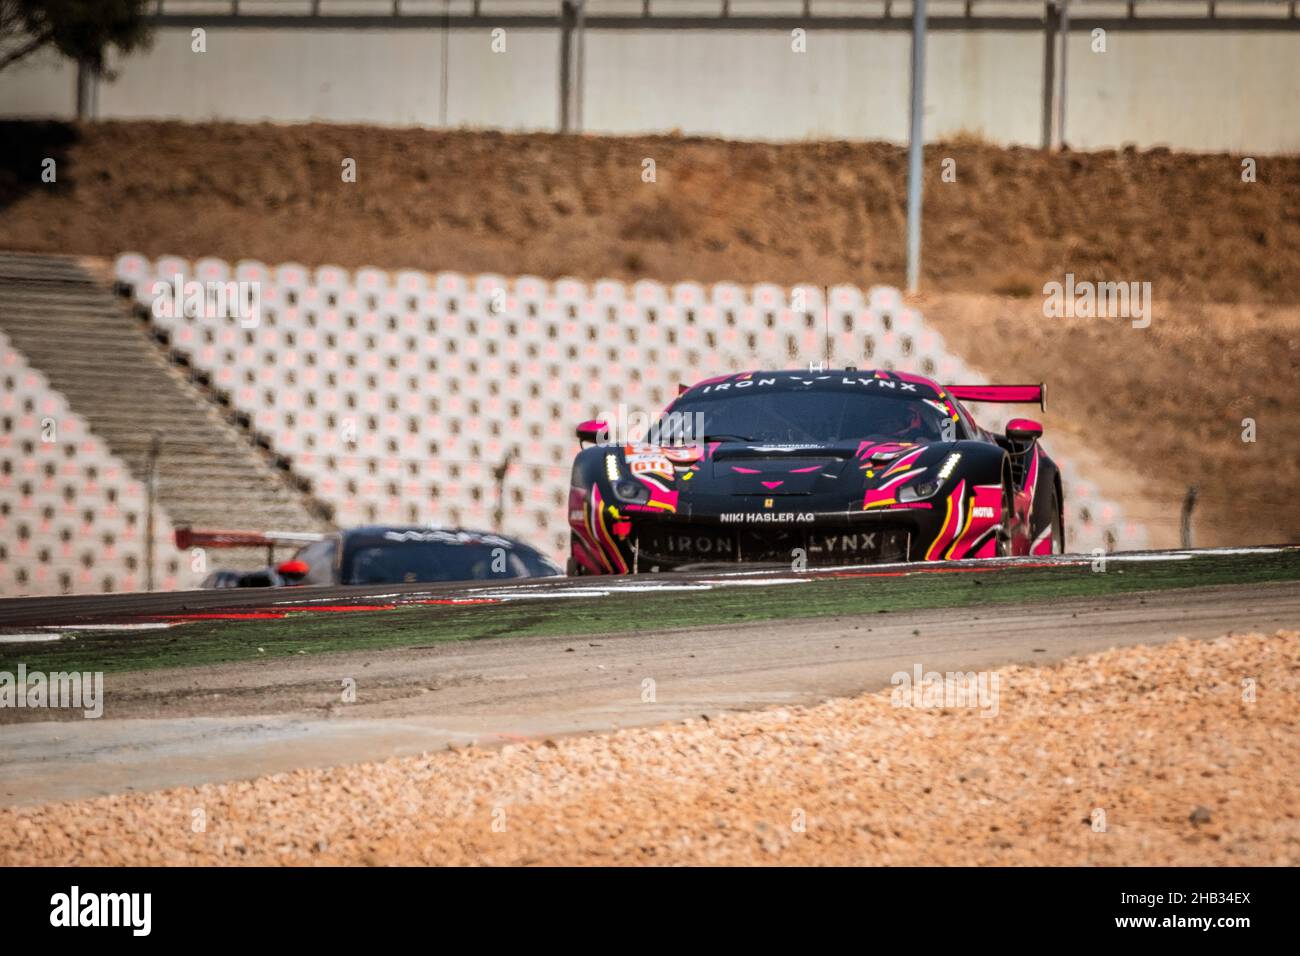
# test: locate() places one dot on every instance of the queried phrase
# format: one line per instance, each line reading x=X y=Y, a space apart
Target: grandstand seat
x=132 y=269
x=167 y=268
x=332 y=278
x=292 y=276
x=250 y=270
x=212 y=270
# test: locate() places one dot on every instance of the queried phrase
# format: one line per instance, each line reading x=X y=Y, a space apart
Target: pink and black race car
x=814 y=468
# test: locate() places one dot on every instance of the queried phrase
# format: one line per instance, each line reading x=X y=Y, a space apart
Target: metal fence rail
x=730 y=14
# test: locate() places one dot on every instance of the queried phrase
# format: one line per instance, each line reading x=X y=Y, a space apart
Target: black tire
x=571 y=567
x=1058 y=524
x=1004 y=533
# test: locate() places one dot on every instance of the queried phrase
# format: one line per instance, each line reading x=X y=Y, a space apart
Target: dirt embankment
x=555 y=205
x=1182 y=754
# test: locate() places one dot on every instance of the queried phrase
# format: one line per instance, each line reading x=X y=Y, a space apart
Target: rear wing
x=1006 y=394
x=187 y=538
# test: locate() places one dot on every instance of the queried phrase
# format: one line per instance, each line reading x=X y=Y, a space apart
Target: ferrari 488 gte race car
x=814 y=469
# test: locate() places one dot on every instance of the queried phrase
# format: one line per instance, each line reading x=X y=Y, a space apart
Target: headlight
x=632 y=491
x=948 y=465
x=920 y=490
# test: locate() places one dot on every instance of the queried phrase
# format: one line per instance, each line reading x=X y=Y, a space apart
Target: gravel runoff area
x=1187 y=753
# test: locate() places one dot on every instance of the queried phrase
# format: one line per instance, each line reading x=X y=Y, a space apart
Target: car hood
x=818 y=476
x=750 y=469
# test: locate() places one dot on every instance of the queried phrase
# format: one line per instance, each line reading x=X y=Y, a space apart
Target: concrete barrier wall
x=1203 y=90
x=43 y=85
x=1235 y=92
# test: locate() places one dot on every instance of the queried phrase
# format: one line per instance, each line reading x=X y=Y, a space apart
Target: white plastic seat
x=609 y=292
x=167 y=268
x=531 y=289
x=648 y=293
x=212 y=270
x=412 y=283
x=132 y=269
x=293 y=276
x=767 y=296
x=250 y=270
x=370 y=281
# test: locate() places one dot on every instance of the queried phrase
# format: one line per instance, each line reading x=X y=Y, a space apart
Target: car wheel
x=1058 y=525
x=572 y=568
x=1005 y=545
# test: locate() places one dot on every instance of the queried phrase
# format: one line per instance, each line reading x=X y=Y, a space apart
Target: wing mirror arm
x=594 y=432
x=292 y=571
x=1024 y=430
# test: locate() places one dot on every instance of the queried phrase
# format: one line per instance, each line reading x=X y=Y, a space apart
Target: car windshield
x=411 y=562
x=801 y=414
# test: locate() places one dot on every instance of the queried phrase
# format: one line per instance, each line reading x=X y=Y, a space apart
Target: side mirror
x=1024 y=429
x=292 y=571
x=592 y=431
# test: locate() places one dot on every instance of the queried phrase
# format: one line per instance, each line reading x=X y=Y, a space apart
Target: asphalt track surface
x=189 y=726
x=71 y=611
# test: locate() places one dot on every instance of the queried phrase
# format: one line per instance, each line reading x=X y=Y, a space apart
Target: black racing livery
x=826 y=467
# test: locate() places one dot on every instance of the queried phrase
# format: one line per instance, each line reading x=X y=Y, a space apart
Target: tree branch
x=31 y=46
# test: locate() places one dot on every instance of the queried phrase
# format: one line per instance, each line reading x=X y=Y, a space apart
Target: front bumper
x=611 y=541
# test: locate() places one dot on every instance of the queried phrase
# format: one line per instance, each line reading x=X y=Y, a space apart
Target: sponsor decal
x=751 y=517
x=698 y=544
x=650 y=465
x=877 y=383
x=858 y=543
x=447 y=537
x=983 y=512
x=684 y=456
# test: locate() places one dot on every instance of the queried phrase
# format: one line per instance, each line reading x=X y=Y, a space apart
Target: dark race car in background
x=815 y=468
x=376 y=554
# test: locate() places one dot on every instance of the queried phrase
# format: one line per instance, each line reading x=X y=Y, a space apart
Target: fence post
x=150 y=498
x=916 y=148
x=499 y=474
x=1189 y=505
x=566 y=62
x=1065 y=53
x=1051 y=21
x=580 y=66
x=446 y=57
